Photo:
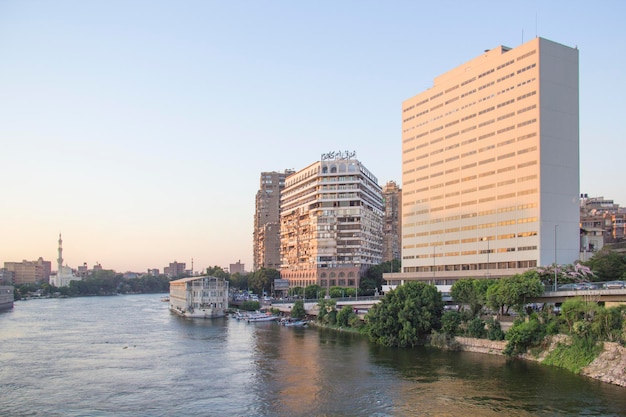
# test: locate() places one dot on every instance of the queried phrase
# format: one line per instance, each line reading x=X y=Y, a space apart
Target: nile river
x=129 y=356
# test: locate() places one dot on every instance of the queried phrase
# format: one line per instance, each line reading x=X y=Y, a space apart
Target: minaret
x=60 y=258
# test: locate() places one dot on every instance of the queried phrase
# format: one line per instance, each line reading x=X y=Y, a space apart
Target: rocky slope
x=609 y=366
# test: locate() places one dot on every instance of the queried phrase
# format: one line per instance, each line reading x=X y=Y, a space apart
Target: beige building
x=490 y=158
x=392 y=226
x=266 y=234
x=331 y=223
x=237 y=268
x=29 y=272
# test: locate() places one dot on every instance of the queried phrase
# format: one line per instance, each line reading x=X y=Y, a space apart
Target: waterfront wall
x=609 y=366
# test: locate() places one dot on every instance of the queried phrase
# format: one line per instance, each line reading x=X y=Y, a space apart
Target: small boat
x=165 y=299
x=294 y=323
x=261 y=317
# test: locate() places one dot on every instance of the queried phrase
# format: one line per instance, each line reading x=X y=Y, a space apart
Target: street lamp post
x=488 y=252
x=555 y=264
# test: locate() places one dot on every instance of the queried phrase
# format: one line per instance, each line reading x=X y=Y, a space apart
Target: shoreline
x=608 y=367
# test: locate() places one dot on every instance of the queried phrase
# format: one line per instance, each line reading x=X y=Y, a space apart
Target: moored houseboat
x=199 y=297
x=6 y=297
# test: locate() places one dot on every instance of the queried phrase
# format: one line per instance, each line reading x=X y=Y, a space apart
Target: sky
x=139 y=129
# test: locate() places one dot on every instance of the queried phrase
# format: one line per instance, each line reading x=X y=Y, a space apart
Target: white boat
x=294 y=323
x=261 y=317
x=199 y=297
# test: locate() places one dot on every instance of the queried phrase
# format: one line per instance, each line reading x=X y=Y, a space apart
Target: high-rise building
x=490 y=162
x=266 y=234
x=330 y=223
x=392 y=227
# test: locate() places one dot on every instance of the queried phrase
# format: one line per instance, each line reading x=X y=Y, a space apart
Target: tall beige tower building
x=490 y=158
x=266 y=234
x=331 y=223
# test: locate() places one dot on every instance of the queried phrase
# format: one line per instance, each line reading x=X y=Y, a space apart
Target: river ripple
x=129 y=356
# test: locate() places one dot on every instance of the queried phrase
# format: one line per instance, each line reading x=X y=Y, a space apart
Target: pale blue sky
x=139 y=129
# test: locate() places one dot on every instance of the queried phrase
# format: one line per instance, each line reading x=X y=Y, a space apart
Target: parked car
x=613 y=285
x=575 y=286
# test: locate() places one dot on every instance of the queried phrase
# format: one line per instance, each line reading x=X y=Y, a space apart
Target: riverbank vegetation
x=104 y=282
x=414 y=314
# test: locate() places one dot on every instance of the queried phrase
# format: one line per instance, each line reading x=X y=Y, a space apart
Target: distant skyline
x=139 y=129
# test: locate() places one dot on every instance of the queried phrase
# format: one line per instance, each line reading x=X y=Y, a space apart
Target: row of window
x=470 y=202
x=466 y=228
x=470 y=267
x=463 y=107
x=468 y=142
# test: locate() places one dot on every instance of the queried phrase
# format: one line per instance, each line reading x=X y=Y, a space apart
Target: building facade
x=392 y=226
x=237 y=268
x=175 y=269
x=331 y=223
x=490 y=158
x=266 y=234
x=29 y=272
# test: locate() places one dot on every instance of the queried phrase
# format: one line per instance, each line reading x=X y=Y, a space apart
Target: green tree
x=607 y=265
x=326 y=311
x=218 y=272
x=344 y=316
x=514 y=291
x=314 y=292
x=405 y=315
x=373 y=280
x=297 y=311
x=450 y=322
x=261 y=280
x=472 y=292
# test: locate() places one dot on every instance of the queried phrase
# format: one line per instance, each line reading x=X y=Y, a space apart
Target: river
x=129 y=356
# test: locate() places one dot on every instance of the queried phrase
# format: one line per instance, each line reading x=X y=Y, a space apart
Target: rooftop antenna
x=536 y=18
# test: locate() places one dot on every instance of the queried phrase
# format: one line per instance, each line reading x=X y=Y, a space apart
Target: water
x=129 y=356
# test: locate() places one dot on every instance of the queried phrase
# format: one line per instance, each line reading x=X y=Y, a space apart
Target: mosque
x=64 y=273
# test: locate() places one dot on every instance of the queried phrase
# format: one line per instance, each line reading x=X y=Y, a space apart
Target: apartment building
x=175 y=269
x=331 y=223
x=490 y=161
x=266 y=234
x=29 y=272
x=392 y=226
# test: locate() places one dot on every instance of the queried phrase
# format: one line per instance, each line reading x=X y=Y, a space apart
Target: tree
x=607 y=265
x=314 y=292
x=405 y=315
x=344 y=316
x=298 y=311
x=372 y=281
x=218 y=272
x=262 y=280
x=472 y=292
x=327 y=312
x=513 y=291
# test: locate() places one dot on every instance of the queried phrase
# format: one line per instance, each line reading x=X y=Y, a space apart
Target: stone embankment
x=609 y=366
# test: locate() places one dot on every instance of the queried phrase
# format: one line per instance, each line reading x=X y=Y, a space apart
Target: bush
x=494 y=330
x=450 y=322
x=523 y=335
x=250 y=305
x=476 y=328
x=444 y=341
